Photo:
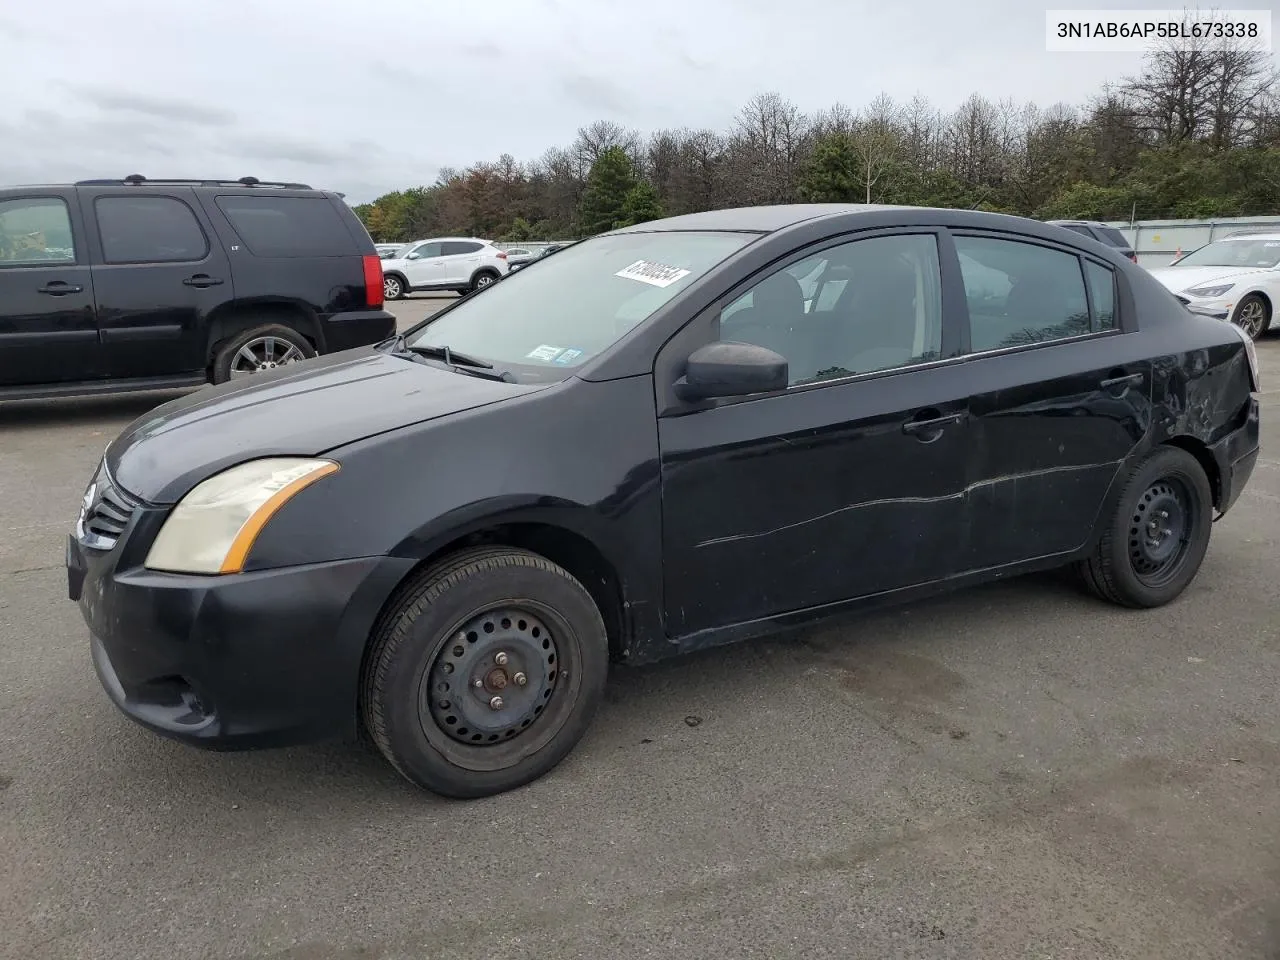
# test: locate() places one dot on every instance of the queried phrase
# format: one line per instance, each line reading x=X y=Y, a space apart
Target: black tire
x=441 y=620
x=288 y=344
x=481 y=280
x=1124 y=567
x=1253 y=315
x=394 y=287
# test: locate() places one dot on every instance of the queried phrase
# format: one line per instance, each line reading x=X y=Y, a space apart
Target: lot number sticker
x=655 y=274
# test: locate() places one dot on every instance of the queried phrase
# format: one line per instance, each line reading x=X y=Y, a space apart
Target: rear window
x=1113 y=237
x=289 y=226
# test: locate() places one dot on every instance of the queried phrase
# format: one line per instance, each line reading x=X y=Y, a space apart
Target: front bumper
x=358 y=328
x=250 y=660
x=1236 y=455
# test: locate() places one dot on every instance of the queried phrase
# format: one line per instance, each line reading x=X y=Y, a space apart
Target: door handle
x=202 y=280
x=57 y=288
x=1129 y=380
x=931 y=424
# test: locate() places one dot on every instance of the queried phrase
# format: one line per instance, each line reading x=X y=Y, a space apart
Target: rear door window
x=149 y=230
x=288 y=226
x=455 y=248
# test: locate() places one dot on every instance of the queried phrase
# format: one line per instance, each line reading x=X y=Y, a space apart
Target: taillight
x=502 y=255
x=1133 y=257
x=373 y=281
x=1251 y=353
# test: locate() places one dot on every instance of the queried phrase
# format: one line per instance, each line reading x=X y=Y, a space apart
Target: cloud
x=162 y=108
x=596 y=93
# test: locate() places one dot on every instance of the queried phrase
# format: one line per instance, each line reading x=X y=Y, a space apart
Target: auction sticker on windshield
x=656 y=274
x=544 y=352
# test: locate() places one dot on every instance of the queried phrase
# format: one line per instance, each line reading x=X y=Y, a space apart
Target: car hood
x=318 y=405
x=1179 y=279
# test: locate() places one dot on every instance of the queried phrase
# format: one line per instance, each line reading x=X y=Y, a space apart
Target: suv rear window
x=288 y=226
x=1112 y=236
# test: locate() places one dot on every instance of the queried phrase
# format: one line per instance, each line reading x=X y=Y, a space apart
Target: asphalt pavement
x=1013 y=771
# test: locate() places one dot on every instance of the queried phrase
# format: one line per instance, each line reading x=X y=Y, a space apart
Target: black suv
x=108 y=286
x=1102 y=233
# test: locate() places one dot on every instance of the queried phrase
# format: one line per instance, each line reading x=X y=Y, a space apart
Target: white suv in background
x=462 y=264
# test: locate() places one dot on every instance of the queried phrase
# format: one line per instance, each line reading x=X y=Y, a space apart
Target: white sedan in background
x=1235 y=278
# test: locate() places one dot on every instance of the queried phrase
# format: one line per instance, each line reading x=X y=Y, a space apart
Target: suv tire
x=262 y=348
x=394 y=287
x=482 y=279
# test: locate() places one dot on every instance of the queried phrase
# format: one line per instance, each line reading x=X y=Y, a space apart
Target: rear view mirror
x=727 y=368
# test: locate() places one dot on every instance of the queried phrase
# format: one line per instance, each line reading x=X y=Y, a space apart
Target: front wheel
x=486 y=673
x=392 y=288
x=1253 y=315
x=1157 y=535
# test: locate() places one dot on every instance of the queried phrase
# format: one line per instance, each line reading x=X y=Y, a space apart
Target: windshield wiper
x=451 y=357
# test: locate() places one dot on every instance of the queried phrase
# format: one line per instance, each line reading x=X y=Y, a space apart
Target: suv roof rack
x=137 y=179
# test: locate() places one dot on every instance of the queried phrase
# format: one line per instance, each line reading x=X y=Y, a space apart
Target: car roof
x=764 y=219
x=450 y=239
x=1245 y=235
x=1082 y=223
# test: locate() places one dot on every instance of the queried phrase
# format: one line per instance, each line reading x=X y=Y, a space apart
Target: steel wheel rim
x=546 y=700
x=1251 y=318
x=264 y=353
x=391 y=287
x=1160 y=531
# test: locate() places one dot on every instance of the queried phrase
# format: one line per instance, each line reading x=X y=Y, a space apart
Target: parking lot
x=1014 y=771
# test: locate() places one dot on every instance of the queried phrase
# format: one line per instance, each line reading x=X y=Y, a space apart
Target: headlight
x=1215 y=291
x=213 y=527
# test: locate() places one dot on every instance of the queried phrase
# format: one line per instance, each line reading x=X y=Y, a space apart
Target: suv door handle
x=202 y=280
x=925 y=424
x=58 y=288
x=1129 y=380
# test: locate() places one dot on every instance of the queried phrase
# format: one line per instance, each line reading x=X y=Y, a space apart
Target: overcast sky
x=366 y=96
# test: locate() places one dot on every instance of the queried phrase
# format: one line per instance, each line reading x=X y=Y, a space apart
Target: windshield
x=1244 y=253
x=540 y=324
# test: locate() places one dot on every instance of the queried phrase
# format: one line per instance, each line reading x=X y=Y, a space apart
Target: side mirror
x=413 y=255
x=727 y=368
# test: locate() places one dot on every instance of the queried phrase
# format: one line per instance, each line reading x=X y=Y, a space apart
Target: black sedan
x=737 y=422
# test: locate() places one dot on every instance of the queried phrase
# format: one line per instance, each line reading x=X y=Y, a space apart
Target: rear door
x=461 y=260
x=159 y=272
x=1064 y=394
x=48 y=328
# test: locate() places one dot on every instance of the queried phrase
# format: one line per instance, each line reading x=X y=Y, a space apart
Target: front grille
x=107 y=511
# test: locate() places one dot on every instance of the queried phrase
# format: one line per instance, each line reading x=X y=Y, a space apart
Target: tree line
x=1196 y=134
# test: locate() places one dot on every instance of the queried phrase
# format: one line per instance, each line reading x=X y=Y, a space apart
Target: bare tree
x=876 y=141
x=769 y=137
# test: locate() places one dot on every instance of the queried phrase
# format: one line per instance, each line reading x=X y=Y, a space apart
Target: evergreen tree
x=640 y=206
x=611 y=179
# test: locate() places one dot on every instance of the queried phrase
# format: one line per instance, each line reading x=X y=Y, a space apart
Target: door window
x=149 y=230
x=1020 y=293
x=1102 y=291
x=35 y=230
x=456 y=248
x=427 y=250
x=859 y=307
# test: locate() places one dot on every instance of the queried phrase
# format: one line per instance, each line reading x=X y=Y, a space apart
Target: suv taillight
x=373 y=280
x=502 y=255
x=1133 y=257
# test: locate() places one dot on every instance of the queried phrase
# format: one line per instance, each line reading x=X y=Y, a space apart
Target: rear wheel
x=486 y=673
x=1157 y=535
x=259 y=349
x=1253 y=315
x=482 y=280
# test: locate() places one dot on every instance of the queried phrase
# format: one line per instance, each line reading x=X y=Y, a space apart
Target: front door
x=423 y=265
x=849 y=483
x=1064 y=395
x=48 y=326
x=159 y=272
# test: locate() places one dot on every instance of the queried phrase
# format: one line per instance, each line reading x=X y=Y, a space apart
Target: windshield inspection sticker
x=656 y=274
x=568 y=356
x=543 y=352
